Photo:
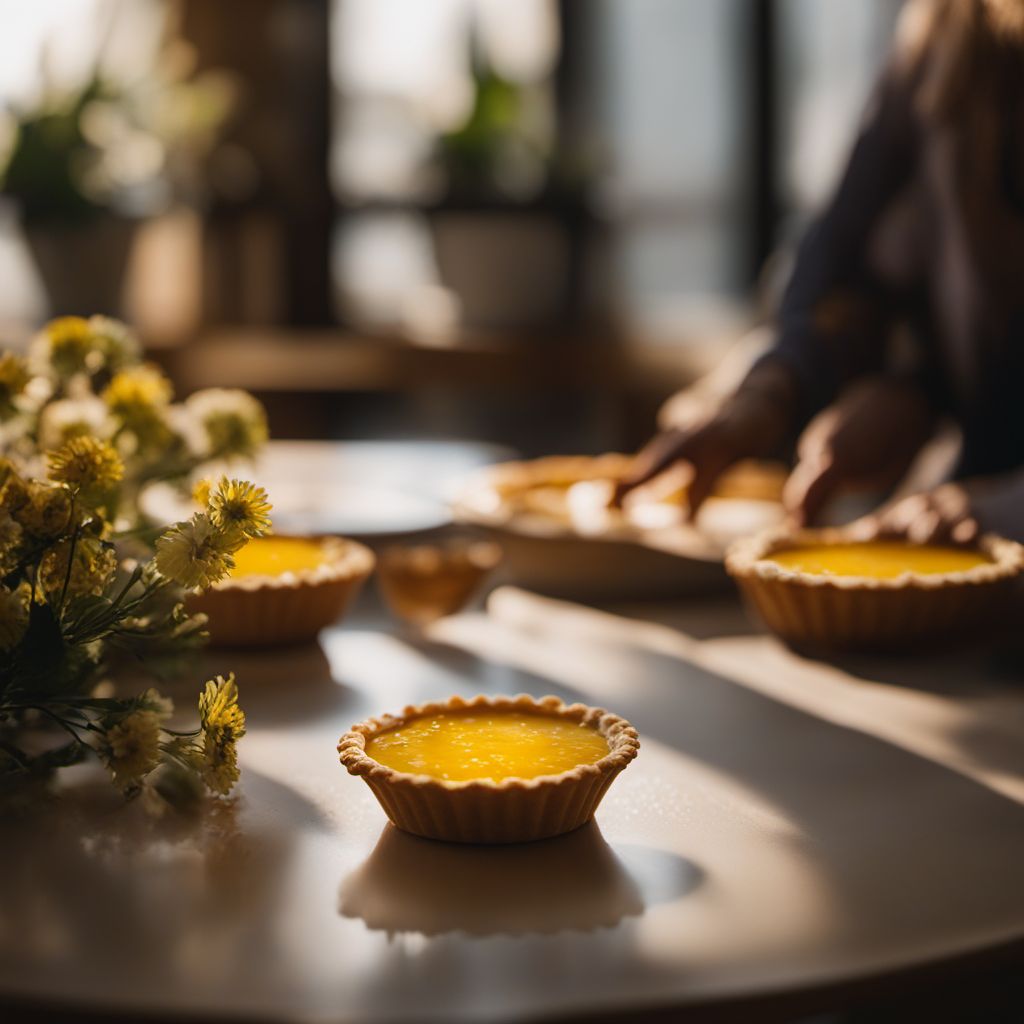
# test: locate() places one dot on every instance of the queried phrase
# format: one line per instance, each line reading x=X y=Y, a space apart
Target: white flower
x=73 y=417
x=235 y=423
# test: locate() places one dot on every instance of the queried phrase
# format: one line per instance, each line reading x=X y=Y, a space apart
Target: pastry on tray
x=826 y=590
x=284 y=590
x=492 y=769
x=574 y=494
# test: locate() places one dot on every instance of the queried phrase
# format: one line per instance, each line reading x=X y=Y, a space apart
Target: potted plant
x=86 y=164
x=509 y=221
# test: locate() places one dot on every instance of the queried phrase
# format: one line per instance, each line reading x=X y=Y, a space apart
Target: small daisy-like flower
x=138 y=398
x=115 y=340
x=218 y=706
x=234 y=422
x=86 y=464
x=14 y=376
x=195 y=554
x=93 y=565
x=201 y=492
x=131 y=747
x=136 y=393
x=48 y=512
x=14 y=608
x=239 y=506
x=223 y=724
x=69 y=345
x=66 y=418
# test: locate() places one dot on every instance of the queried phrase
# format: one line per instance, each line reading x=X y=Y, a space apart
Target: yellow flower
x=218 y=706
x=14 y=606
x=201 y=492
x=234 y=422
x=14 y=376
x=138 y=393
x=48 y=512
x=131 y=747
x=195 y=554
x=115 y=340
x=69 y=343
x=92 y=567
x=223 y=724
x=239 y=506
x=86 y=464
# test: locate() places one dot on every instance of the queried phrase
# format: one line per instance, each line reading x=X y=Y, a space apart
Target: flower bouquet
x=88 y=586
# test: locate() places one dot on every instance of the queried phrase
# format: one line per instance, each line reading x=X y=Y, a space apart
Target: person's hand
x=944 y=515
x=749 y=424
x=865 y=441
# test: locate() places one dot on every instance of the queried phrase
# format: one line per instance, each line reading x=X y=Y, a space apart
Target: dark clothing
x=906 y=272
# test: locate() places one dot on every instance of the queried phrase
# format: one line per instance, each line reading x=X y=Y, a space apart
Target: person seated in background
x=906 y=301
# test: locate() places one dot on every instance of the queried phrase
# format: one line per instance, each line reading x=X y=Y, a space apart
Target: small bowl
x=425 y=582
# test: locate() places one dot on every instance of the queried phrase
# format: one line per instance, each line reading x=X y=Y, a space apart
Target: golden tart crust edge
x=267 y=611
x=825 y=612
x=483 y=811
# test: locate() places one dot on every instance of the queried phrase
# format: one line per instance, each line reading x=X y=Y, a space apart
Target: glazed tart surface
x=284 y=590
x=490 y=770
x=827 y=590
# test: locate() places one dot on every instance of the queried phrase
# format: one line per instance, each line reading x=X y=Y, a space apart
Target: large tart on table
x=284 y=590
x=829 y=590
x=492 y=769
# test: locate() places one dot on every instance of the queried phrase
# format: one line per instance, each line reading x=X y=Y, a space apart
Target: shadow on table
x=575 y=882
x=282 y=685
x=904 y=848
x=95 y=889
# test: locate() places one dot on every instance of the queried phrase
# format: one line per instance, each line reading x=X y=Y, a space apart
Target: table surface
x=787 y=825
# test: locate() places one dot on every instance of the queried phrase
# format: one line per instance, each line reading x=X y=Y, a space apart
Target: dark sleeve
x=834 y=313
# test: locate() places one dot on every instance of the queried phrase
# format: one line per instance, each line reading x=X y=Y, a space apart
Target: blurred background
x=523 y=223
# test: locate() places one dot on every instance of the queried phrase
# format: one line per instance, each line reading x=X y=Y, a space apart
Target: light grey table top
x=787 y=825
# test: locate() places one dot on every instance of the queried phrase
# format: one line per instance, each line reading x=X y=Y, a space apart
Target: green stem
x=71 y=560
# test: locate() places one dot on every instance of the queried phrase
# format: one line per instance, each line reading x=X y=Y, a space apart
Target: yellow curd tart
x=490 y=770
x=829 y=590
x=284 y=590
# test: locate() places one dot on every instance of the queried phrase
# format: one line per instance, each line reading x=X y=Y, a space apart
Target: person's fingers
x=810 y=486
x=868 y=527
x=705 y=476
x=654 y=458
x=925 y=528
x=966 y=531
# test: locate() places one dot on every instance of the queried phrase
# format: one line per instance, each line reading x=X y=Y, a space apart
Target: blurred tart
x=827 y=590
x=284 y=590
x=490 y=770
x=577 y=490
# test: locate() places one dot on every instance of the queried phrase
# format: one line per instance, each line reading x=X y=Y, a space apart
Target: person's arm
x=830 y=326
x=835 y=312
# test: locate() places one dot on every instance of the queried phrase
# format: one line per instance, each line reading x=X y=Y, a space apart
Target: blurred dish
x=825 y=590
x=424 y=582
x=283 y=590
x=568 y=499
x=322 y=506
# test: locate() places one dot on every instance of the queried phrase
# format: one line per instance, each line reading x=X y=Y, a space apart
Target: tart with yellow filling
x=829 y=590
x=284 y=590
x=490 y=770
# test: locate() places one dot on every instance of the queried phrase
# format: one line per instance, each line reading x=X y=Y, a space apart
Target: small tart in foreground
x=828 y=590
x=283 y=590
x=492 y=769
